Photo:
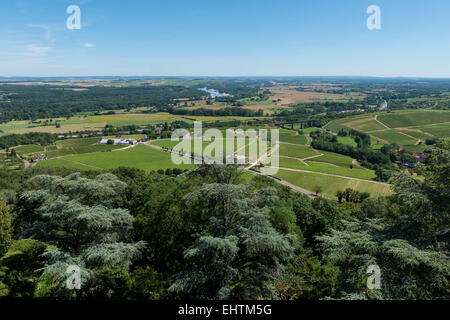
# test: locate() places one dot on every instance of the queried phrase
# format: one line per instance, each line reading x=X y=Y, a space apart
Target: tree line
x=37 y=102
x=223 y=112
x=363 y=153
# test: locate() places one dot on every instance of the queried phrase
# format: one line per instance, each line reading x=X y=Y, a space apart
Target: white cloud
x=35 y=50
x=89 y=45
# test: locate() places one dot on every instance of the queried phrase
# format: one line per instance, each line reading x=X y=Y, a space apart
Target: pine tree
x=410 y=243
x=5 y=228
x=240 y=251
x=80 y=217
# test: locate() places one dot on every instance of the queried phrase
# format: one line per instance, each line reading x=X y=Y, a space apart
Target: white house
x=118 y=141
x=241 y=159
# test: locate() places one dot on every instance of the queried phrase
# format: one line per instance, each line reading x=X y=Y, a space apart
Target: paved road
x=376 y=119
x=27 y=164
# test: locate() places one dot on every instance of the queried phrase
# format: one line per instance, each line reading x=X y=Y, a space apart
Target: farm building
x=241 y=159
x=38 y=158
x=420 y=156
x=118 y=141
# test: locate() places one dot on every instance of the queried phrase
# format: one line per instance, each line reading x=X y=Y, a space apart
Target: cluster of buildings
x=122 y=141
x=39 y=157
x=355 y=110
x=419 y=158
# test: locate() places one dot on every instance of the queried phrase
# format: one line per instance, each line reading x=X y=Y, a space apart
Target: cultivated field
x=330 y=184
x=334 y=158
x=141 y=157
x=297 y=151
x=86 y=154
x=66 y=147
x=292 y=137
x=326 y=168
x=98 y=122
x=31 y=148
x=294 y=94
x=414 y=118
x=409 y=128
x=305 y=167
x=241 y=146
x=299 y=163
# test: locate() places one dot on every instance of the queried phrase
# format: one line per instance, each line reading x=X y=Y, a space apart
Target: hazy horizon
x=225 y=77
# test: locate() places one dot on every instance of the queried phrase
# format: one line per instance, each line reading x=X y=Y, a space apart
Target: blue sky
x=225 y=38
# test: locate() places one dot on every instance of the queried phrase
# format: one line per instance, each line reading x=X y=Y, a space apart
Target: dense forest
x=213 y=233
x=40 y=138
x=45 y=101
x=35 y=102
x=223 y=112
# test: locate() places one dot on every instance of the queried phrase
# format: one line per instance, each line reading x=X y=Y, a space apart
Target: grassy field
x=290 y=137
x=331 y=184
x=441 y=130
x=375 y=144
x=415 y=148
x=241 y=146
x=347 y=140
x=327 y=168
x=297 y=151
x=31 y=148
x=394 y=136
x=308 y=130
x=416 y=134
x=334 y=158
x=62 y=162
x=66 y=147
x=413 y=118
x=365 y=126
x=404 y=127
x=81 y=142
x=335 y=126
x=171 y=144
x=321 y=161
x=141 y=157
x=82 y=149
x=86 y=154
